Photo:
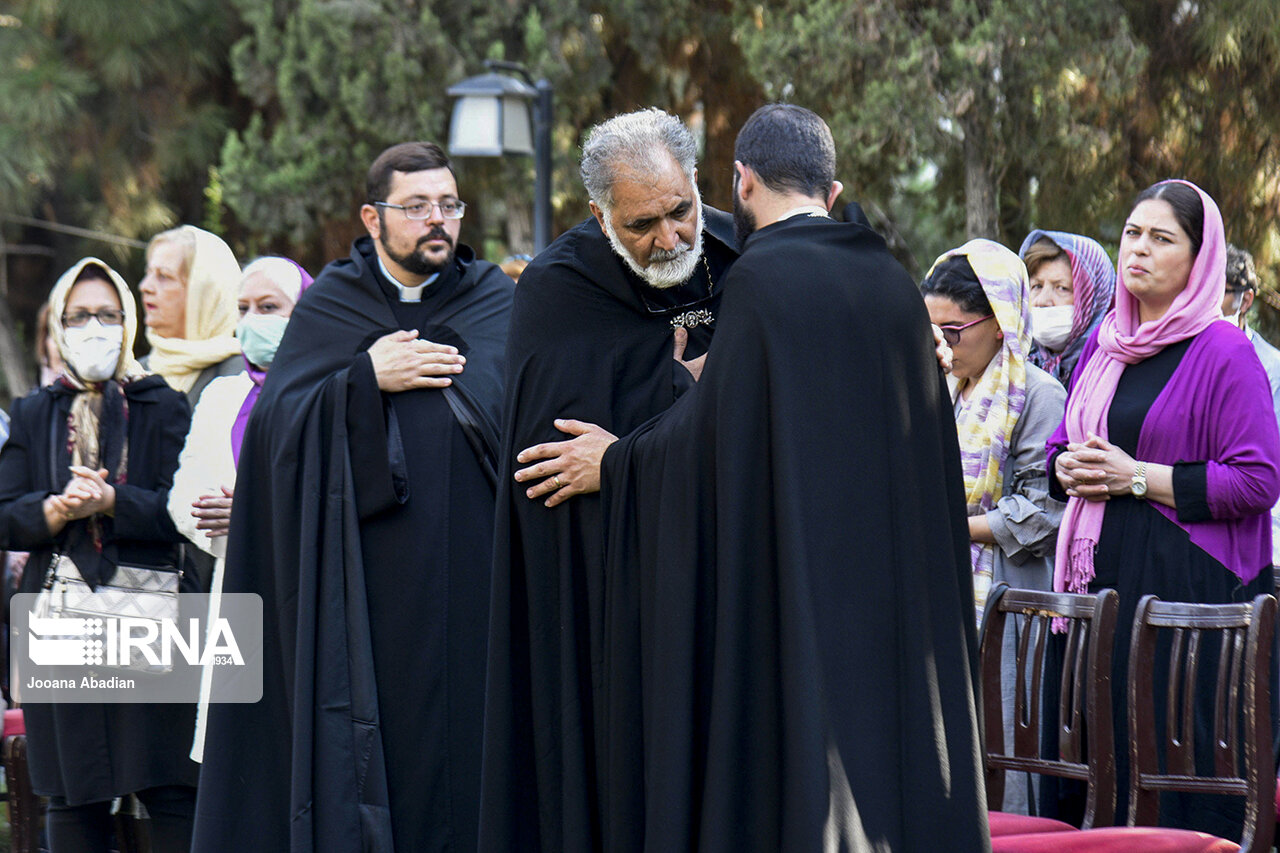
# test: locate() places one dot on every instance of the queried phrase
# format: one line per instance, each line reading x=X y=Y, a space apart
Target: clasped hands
x=213 y=512
x=86 y=493
x=1095 y=469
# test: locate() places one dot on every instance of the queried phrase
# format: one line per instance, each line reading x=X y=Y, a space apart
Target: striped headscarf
x=987 y=418
x=1093 y=285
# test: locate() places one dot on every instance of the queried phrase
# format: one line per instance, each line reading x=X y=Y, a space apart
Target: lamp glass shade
x=476 y=128
x=517 y=130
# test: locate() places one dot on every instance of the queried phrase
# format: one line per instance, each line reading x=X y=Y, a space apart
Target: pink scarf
x=1123 y=340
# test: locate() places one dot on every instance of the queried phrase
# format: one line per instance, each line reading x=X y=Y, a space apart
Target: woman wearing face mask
x=1072 y=284
x=86 y=474
x=189 y=306
x=203 y=487
x=1005 y=409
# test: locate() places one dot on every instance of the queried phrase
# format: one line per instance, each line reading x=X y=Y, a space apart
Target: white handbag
x=134 y=592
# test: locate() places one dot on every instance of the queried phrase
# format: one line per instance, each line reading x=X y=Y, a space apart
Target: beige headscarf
x=213 y=283
x=86 y=409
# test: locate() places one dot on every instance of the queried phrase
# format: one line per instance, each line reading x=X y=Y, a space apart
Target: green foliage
x=263 y=115
x=333 y=83
x=108 y=116
x=903 y=83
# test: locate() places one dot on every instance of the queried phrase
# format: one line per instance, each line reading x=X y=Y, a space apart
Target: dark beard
x=415 y=262
x=744 y=221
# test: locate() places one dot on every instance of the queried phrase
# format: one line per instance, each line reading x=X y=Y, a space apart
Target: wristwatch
x=1139 y=484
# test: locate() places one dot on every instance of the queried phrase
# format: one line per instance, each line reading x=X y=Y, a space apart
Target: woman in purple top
x=1168 y=451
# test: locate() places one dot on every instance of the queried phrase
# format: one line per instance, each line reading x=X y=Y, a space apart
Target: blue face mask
x=259 y=336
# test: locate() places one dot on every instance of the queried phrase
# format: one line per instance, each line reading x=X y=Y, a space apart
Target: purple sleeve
x=1242 y=477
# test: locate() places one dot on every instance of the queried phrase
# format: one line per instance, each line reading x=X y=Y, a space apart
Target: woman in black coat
x=86 y=473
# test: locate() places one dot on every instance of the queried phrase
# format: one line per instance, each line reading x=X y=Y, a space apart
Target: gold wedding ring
x=556 y=480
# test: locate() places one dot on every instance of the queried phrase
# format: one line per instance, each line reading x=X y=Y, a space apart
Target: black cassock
x=790 y=648
x=589 y=340
x=364 y=520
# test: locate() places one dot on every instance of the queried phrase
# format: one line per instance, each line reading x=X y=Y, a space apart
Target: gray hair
x=632 y=142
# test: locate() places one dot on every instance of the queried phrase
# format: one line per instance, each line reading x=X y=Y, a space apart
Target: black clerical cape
x=364 y=520
x=588 y=341
x=790 y=646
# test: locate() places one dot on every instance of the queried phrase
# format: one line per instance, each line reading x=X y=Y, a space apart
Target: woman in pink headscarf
x=1168 y=451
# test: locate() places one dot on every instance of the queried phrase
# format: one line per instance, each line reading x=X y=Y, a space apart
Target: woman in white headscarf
x=85 y=474
x=203 y=488
x=189 y=307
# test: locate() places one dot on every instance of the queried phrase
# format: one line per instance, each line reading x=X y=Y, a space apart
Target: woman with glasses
x=189 y=306
x=1006 y=408
x=85 y=475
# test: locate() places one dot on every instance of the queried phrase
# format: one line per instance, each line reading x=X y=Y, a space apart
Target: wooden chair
x=1084 y=731
x=25 y=811
x=1240 y=718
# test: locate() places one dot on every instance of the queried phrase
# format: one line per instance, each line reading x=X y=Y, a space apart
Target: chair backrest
x=1084 y=725
x=1238 y=712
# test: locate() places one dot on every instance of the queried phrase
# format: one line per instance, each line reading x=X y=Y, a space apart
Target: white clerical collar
x=815 y=210
x=407 y=293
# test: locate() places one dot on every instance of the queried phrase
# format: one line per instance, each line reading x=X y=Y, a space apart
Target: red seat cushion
x=14 y=724
x=1007 y=823
x=1115 y=839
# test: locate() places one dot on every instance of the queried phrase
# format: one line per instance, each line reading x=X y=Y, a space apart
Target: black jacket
x=87 y=753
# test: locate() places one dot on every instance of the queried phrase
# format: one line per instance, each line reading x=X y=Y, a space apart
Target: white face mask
x=93 y=350
x=1051 y=325
x=260 y=336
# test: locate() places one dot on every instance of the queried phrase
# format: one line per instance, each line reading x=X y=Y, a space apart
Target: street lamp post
x=491 y=118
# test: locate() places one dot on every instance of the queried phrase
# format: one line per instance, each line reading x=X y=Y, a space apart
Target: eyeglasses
x=449 y=208
x=107 y=317
x=952 y=333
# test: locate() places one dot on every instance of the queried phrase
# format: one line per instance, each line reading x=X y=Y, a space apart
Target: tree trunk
x=981 y=212
x=13 y=356
x=519 y=223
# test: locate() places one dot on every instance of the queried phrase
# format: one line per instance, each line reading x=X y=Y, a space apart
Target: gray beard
x=661 y=273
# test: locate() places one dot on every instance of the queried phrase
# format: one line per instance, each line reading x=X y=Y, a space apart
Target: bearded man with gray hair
x=597 y=318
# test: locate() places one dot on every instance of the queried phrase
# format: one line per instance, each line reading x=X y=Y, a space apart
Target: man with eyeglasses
x=365 y=521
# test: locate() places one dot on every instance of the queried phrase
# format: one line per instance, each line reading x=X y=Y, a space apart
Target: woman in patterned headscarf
x=1072 y=284
x=85 y=474
x=1005 y=409
x=189 y=302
